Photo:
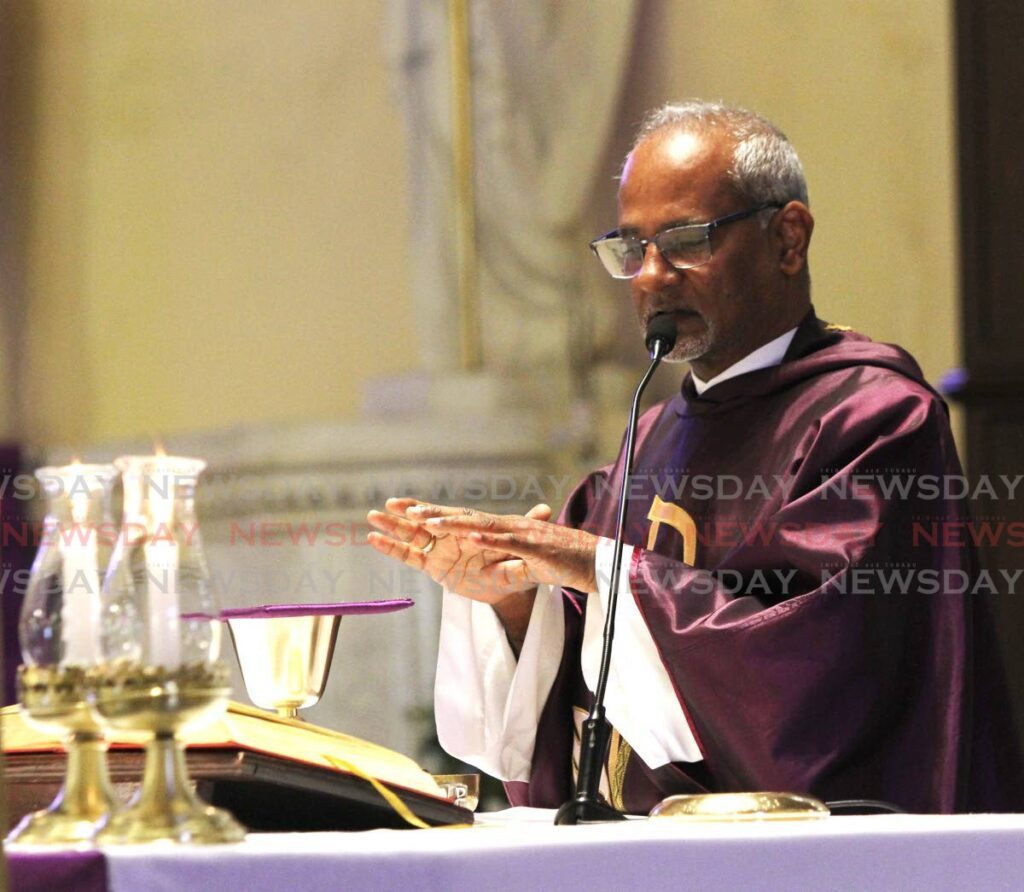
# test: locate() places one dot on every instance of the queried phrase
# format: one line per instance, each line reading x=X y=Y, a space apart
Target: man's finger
x=503 y=542
x=512 y=533
x=401 y=551
x=466 y=523
x=399 y=505
x=510 y=575
x=399 y=528
x=387 y=523
x=540 y=512
x=424 y=510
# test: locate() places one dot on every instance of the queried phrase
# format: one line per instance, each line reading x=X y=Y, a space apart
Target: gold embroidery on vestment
x=677 y=518
x=619 y=752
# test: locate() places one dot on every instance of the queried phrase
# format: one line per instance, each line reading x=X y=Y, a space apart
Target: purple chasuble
x=790 y=564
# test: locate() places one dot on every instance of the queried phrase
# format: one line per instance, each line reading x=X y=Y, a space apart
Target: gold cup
x=53 y=698
x=162 y=703
x=285 y=660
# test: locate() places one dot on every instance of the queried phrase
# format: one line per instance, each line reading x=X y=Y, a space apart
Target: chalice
x=285 y=650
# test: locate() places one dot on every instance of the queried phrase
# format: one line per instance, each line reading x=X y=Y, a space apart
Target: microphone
x=660 y=337
x=584 y=807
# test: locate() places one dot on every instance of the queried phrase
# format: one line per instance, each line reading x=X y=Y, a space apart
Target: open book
x=245 y=729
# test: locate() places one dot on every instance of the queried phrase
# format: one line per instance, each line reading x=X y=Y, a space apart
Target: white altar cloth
x=520 y=849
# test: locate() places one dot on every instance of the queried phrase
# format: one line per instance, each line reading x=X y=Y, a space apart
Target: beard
x=687 y=346
x=690 y=347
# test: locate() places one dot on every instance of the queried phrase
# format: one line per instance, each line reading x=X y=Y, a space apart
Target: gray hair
x=765 y=167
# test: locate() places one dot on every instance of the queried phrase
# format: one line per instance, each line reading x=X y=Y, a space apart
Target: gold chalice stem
x=296 y=671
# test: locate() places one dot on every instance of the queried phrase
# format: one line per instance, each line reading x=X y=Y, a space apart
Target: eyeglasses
x=683 y=247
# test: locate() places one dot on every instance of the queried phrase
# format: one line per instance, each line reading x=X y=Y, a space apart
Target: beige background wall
x=213 y=201
x=216 y=219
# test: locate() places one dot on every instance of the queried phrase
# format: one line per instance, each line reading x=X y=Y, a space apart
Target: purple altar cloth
x=521 y=849
x=81 y=871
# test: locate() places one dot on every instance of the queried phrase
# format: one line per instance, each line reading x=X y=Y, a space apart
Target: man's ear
x=793 y=226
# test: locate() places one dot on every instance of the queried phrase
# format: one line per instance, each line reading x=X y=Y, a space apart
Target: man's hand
x=498 y=560
x=454 y=561
x=536 y=551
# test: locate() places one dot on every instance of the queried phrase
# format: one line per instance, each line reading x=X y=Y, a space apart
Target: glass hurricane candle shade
x=60 y=616
x=161 y=639
x=158 y=602
x=59 y=634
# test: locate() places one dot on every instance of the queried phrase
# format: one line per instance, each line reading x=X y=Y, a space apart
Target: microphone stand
x=585 y=807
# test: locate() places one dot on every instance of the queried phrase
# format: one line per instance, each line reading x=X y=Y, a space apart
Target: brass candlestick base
x=54 y=699
x=163 y=702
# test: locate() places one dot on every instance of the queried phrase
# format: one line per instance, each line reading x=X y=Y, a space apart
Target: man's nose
x=655 y=270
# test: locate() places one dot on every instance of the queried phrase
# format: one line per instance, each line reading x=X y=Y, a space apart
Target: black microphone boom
x=585 y=807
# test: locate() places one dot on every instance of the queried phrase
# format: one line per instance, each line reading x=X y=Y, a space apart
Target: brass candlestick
x=161 y=635
x=163 y=702
x=53 y=698
x=59 y=633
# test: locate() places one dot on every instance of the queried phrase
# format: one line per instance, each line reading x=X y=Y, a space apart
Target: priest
x=791 y=615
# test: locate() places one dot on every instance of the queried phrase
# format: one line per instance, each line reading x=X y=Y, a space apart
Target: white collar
x=764 y=356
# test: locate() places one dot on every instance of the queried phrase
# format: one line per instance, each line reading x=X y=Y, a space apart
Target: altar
x=521 y=849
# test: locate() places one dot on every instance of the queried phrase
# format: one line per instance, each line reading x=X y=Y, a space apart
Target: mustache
x=660 y=309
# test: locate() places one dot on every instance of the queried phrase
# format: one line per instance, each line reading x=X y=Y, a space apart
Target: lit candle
x=162 y=574
x=80 y=611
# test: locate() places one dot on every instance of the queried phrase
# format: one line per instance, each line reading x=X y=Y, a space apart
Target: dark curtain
x=16 y=553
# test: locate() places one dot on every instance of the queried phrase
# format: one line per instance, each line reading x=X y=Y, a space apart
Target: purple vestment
x=820 y=630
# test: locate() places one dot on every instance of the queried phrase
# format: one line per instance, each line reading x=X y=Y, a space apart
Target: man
x=787 y=617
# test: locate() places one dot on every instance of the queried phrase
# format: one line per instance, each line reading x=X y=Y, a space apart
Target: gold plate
x=740 y=807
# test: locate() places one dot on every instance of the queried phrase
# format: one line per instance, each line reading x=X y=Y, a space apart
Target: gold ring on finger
x=429 y=547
